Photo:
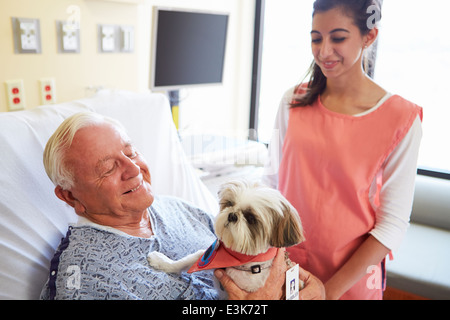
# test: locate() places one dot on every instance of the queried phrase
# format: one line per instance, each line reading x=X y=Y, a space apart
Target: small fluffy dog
x=253 y=221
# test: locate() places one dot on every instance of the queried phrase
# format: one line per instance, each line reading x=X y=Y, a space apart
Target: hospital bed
x=33 y=220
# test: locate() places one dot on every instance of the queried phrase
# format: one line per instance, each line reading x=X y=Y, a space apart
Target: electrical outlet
x=48 y=90
x=15 y=94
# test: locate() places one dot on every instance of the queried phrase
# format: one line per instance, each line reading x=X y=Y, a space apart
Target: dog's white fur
x=252 y=219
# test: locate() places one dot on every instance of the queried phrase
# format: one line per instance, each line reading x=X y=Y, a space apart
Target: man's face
x=111 y=177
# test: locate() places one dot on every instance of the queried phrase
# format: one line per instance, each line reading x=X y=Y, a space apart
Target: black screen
x=190 y=48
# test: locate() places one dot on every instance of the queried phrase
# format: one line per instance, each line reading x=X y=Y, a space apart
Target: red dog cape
x=218 y=256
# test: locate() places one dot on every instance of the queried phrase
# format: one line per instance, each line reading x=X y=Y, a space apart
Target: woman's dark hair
x=365 y=14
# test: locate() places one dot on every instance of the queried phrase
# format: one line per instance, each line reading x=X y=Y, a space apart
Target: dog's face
x=254 y=218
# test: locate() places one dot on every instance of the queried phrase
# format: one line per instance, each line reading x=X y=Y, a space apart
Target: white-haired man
x=97 y=171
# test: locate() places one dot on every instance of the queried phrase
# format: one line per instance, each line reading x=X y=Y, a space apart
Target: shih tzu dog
x=254 y=220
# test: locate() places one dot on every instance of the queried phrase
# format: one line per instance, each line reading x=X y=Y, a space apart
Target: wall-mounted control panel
x=107 y=38
x=27 y=35
x=126 y=36
x=68 y=33
x=114 y=38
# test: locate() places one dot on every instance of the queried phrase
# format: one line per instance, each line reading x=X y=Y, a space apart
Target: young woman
x=347 y=155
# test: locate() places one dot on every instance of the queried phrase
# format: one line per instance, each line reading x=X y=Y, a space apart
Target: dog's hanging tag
x=292 y=283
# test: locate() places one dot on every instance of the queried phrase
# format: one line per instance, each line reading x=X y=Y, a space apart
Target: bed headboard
x=33 y=220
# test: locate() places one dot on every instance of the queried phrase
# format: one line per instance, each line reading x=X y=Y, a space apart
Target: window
x=286 y=55
x=413 y=60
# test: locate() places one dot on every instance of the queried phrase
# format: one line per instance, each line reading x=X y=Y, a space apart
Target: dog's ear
x=289 y=230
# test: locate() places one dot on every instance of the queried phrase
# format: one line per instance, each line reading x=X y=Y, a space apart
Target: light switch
x=27 y=35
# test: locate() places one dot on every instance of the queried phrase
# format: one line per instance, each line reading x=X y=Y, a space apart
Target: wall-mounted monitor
x=188 y=48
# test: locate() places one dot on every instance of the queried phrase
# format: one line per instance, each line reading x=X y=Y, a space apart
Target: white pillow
x=33 y=220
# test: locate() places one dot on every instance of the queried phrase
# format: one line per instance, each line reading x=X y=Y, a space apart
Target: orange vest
x=329 y=163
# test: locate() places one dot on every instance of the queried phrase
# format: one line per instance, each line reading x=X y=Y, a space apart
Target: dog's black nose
x=232 y=217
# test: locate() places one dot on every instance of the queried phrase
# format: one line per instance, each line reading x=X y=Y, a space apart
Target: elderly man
x=97 y=171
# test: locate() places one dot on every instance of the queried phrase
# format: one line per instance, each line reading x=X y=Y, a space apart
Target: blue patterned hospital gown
x=93 y=262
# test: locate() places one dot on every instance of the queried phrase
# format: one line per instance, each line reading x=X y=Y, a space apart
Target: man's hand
x=273 y=289
x=313 y=288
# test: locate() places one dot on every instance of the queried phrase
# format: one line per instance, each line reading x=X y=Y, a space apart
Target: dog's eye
x=250 y=217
